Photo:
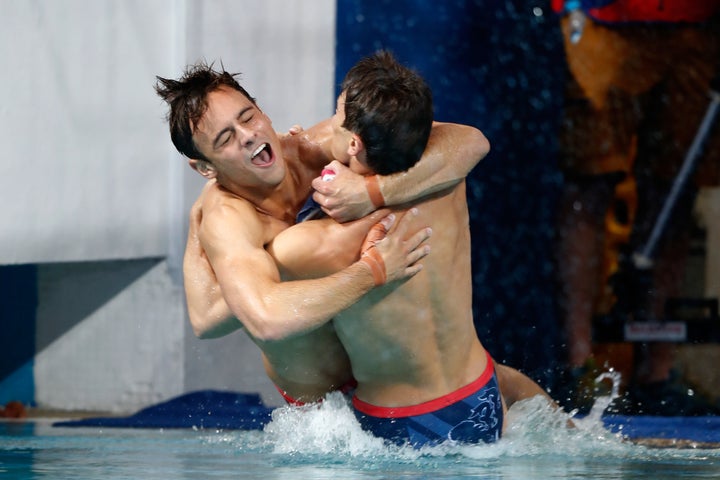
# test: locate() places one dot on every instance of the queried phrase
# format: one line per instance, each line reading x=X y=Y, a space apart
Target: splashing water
x=327 y=427
x=534 y=427
x=536 y=431
x=602 y=401
x=325 y=441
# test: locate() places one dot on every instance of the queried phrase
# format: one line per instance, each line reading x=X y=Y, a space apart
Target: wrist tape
x=373 y=188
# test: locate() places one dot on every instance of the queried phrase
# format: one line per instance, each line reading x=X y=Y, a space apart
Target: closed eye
x=223 y=138
x=246 y=115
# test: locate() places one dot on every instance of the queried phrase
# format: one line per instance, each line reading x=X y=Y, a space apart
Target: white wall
x=83 y=157
x=88 y=166
x=90 y=176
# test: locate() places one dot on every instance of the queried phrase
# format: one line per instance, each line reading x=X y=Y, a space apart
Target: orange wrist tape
x=373 y=188
x=372 y=259
x=370 y=256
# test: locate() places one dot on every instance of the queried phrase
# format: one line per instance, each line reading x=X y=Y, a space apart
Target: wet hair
x=187 y=98
x=389 y=107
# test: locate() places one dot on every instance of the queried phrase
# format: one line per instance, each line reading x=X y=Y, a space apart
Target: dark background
x=499 y=66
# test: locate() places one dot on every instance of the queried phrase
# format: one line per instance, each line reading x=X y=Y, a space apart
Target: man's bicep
x=209 y=314
x=301 y=251
x=233 y=245
x=318 y=248
x=460 y=147
x=451 y=153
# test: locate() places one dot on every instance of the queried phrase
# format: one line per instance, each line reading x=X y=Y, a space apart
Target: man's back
x=415 y=341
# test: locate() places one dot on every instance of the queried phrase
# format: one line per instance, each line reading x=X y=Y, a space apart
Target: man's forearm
x=452 y=152
x=286 y=309
x=273 y=310
x=215 y=321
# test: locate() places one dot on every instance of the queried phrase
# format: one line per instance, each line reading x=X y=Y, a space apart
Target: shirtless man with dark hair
x=422 y=374
x=258 y=183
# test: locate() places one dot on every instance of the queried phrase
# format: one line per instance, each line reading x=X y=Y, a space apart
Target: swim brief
x=309 y=211
x=471 y=414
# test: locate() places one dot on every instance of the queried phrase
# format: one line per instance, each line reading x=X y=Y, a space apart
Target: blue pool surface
x=325 y=441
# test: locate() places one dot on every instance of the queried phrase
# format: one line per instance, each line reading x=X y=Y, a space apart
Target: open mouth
x=262 y=156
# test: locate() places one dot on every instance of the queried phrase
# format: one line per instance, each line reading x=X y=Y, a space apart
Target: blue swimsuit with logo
x=471 y=414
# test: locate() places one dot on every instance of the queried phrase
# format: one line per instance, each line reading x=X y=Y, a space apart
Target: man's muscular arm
x=209 y=314
x=318 y=248
x=232 y=236
x=452 y=152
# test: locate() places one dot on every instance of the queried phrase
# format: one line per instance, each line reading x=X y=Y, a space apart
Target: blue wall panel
x=18 y=291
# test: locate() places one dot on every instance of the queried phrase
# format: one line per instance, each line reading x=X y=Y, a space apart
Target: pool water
x=326 y=442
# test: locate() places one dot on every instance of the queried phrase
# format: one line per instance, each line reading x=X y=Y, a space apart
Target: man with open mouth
x=258 y=182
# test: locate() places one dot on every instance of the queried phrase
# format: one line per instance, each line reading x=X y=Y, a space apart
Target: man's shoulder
x=213 y=193
x=218 y=201
x=307 y=146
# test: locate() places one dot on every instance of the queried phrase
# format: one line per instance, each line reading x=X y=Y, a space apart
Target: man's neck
x=280 y=205
x=281 y=202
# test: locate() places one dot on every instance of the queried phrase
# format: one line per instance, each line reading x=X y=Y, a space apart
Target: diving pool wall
x=96 y=197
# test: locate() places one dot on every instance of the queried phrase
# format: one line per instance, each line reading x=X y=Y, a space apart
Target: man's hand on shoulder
x=343 y=197
x=294 y=130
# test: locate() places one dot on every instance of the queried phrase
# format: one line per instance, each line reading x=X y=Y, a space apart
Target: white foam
x=537 y=436
x=326 y=427
x=534 y=427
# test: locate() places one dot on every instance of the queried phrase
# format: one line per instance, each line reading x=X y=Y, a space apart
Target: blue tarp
x=202 y=409
x=246 y=411
x=698 y=429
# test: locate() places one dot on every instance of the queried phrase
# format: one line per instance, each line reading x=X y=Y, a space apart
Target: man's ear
x=203 y=167
x=355 y=146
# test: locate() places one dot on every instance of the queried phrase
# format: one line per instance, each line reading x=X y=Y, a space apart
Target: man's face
x=346 y=147
x=238 y=139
